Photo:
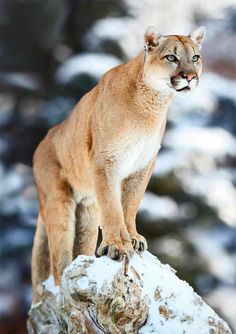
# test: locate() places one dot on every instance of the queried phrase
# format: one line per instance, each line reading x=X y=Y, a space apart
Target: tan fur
x=93 y=168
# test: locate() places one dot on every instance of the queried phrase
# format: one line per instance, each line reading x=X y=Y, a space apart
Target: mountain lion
x=92 y=169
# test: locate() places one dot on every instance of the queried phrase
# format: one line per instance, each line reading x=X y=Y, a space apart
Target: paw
x=116 y=250
x=139 y=243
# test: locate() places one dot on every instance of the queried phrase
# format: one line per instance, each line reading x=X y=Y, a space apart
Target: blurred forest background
x=51 y=53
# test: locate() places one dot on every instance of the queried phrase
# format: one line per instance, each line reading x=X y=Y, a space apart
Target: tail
x=40 y=264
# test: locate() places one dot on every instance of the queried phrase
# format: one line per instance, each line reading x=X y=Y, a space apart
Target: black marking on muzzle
x=184 y=88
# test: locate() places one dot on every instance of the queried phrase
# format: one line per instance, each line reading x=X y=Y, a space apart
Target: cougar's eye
x=195 y=58
x=171 y=58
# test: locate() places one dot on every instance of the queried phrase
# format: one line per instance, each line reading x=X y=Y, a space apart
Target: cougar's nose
x=188 y=76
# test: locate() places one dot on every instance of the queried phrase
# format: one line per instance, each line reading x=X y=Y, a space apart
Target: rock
x=99 y=295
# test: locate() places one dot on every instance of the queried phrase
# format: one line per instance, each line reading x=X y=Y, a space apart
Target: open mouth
x=186 y=88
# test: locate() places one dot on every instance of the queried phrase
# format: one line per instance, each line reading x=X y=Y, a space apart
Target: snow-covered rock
x=99 y=295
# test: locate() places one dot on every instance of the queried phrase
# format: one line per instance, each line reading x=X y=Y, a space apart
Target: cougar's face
x=173 y=63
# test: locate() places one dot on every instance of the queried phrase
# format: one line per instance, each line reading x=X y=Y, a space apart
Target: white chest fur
x=138 y=150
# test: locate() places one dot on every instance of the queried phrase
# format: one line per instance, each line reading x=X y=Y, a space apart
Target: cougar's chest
x=138 y=150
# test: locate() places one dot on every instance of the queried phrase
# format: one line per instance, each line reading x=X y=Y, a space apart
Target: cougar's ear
x=198 y=35
x=151 y=38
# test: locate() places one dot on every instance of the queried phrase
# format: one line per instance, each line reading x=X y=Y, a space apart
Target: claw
x=134 y=241
x=141 y=246
x=104 y=250
x=139 y=243
x=115 y=252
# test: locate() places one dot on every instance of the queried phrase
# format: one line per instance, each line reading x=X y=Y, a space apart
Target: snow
x=159 y=207
x=187 y=313
x=218 y=86
x=169 y=245
x=158 y=13
x=7 y=303
x=214 y=141
x=94 y=64
x=7 y=103
x=112 y=28
x=169 y=161
x=17 y=194
x=200 y=103
x=217 y=189
x=83 y=283
x=10 y=182
x=110 y=268
x=49 y=285
x=129 y=31
x=210 y=245
x=17 y=238
x=224 y=299
x=21 y=80
x=203 y=102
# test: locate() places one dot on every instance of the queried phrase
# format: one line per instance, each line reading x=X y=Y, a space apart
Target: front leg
x=133 y=189
x=116 y=240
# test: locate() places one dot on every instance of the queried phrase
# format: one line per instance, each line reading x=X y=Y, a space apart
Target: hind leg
x=59 y=213
x=86 y=228
x=57 y=205
x=40 y=258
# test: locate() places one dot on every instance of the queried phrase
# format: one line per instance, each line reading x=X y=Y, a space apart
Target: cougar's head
x=173 y=63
